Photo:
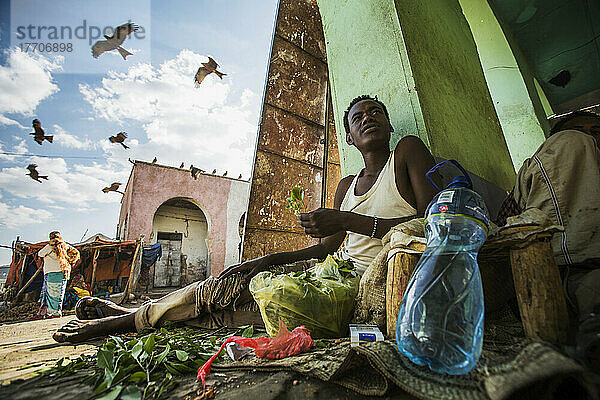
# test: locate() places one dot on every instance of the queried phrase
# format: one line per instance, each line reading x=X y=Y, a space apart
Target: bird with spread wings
x=114 y=187
x=119 y=138
x=206 y=69
x=115 y=41
x=34 y=174
x=39 y=135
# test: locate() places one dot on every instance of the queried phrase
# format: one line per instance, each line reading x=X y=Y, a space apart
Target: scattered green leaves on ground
x=296 y=201
x=144 y=366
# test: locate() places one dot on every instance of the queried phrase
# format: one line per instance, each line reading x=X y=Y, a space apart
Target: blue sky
x=82 y=101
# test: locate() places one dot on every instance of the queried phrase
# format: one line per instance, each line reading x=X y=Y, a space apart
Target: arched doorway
x=181 y=227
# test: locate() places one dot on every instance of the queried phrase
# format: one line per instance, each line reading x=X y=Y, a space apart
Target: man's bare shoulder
x=345 y=184
x=410 y=149
x=409 y=143
x=341 y=190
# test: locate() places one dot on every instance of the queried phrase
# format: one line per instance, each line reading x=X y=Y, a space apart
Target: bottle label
x=446 y=197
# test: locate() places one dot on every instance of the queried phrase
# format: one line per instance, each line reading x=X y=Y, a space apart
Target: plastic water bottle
x=440 y=323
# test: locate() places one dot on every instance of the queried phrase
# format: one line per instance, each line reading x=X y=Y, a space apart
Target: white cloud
x=5 y=157
x=20 y=148
x=25 y=81
x=16 y=217
x=65 y=139
x=7 y=121
x=204 y=125
x=74 y=186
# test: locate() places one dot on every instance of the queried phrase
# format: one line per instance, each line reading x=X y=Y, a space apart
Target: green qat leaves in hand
x=296 y=201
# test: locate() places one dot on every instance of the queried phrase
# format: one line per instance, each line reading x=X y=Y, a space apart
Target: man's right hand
x=249 y=268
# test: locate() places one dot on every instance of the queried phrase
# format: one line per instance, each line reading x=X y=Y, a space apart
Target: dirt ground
x=26 y=347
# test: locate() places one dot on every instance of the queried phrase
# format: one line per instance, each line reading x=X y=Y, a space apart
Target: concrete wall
x=238 y=194
x=125 y=207
x=459 y=116
x=421 y=59
x=511 y=84
x=195 y=263
x=151 y=185
x=366 y=55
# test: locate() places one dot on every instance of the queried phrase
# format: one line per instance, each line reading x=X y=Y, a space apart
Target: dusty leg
x=94 y=308
x=78 y=331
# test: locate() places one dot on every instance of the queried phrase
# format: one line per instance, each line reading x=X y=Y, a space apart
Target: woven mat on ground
x=529 y=370
x=509 y=367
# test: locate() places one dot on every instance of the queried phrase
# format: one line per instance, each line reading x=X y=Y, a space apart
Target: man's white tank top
x=383 y=201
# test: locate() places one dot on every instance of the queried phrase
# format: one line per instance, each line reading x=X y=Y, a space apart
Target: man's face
x=368 y=125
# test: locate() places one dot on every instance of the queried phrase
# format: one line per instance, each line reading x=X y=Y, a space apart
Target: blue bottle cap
x=460 y=181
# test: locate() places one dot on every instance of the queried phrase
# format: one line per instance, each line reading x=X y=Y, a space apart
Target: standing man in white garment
x=390 y=189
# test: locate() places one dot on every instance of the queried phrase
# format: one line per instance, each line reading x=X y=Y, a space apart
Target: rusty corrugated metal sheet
x=291 y=136
x=291 y=140
x=258 y=242
x=299 y=22
x=274 y=175
x=300 y=83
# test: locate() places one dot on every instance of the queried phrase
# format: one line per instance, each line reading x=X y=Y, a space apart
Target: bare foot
x=94 y=308
x=78 y=331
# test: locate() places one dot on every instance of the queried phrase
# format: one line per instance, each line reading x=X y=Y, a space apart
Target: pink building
x=198 y=221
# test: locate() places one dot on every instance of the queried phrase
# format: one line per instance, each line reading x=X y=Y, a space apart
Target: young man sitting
x=391 y=189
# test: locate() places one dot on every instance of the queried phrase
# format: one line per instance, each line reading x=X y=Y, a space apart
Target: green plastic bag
x=321 y=298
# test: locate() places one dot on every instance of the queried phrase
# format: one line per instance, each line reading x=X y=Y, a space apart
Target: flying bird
x=214 y=171
x=34 y=174
x=114 y=187
x=115 y=41
x=119 y=138
x=39 y=135
x=207 y=68
x=181 y=166
x=155 y=160
x=195 y=171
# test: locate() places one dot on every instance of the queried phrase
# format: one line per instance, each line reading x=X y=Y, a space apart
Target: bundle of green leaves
x=320 y=298
x=296 y=201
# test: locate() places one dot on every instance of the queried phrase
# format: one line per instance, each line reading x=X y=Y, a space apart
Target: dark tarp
x=150 y=254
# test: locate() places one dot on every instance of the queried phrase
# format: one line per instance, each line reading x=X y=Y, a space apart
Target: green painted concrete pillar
x=420 y=59
x=511 y=84
x=366 y=55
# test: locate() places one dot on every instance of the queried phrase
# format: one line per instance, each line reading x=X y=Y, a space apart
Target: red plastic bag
x=285 y=344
